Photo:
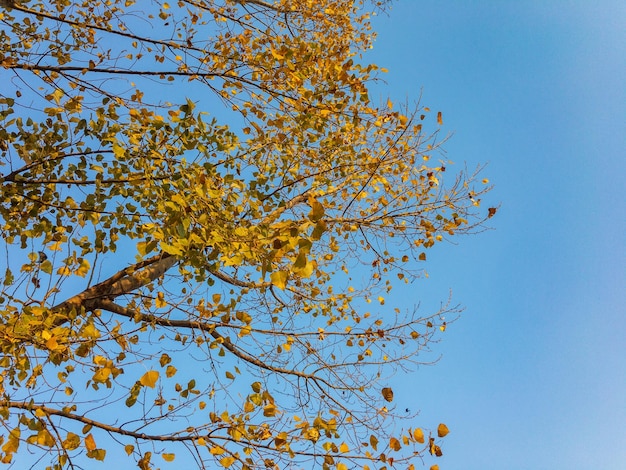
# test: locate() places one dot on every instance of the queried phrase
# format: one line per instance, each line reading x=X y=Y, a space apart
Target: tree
x=203 y=213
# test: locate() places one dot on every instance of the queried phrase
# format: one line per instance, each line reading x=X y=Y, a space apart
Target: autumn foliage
x=203 y=214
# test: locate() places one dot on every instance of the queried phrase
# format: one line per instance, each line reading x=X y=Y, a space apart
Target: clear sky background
x=533 y=375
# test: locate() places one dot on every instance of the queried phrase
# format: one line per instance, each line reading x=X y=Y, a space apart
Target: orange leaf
x=395 y=444
x=90 y=443
x=168 y=457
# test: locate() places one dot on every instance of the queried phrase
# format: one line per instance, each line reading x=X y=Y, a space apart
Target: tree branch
x=110 y=306
x=30 y=406
x=123 y=282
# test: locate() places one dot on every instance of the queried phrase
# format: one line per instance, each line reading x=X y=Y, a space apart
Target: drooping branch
x=110 y=306
x=30 y=406
x=117 y=32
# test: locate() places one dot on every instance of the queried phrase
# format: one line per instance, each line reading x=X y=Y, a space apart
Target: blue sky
x=533 y=375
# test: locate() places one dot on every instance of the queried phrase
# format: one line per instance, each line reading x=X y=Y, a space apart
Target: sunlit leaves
x=394 y=444
x=44 y=438
x=433 y=448
x=317 y=210
x=269 y=410
x=71 y=442
x=279 y=279
x=387 y=394
x=442 y=430
x=90 y=443
x=374 y=442
x=160 y=301
x=149 y=379
x=92 y=450
x=83 y=268
x=168 y=457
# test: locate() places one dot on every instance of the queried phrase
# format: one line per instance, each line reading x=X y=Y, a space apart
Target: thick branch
x=123 y=282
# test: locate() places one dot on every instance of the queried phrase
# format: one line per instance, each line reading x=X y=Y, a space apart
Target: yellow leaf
x=71 y=442
x=433 y=448
x=341 y=466
x=129 y=449
x=434 y=467
x=227 y=461
x=102 y=375
x=170 y=371
x=302 y=266
x=312 y=434
x=84 y=268
x=45 y=439
x=149 y=379
x=52 y=344
x=269 y=410
x=160 y=300
x=344 y=447
x=442 y=430
x=279 y=279
x=90 y=443
x=418 y=435
x=98 y=454
x=394 y=444
x=276 y=54
x=11 y=446
x=168 y=457
x=317 y=210
x=64 y=271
